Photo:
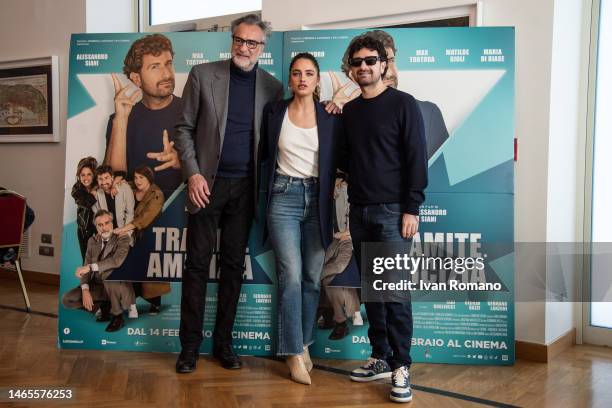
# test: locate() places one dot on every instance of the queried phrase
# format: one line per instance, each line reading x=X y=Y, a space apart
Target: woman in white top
x=298 y=144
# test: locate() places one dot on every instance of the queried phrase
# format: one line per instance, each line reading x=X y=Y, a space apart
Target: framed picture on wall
x=29 y=100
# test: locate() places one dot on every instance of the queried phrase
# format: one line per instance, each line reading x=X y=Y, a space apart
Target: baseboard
x=562 y=343
x=32 y=276
x=543 y=353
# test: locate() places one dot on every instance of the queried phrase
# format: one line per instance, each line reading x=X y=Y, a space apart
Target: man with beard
x=385 y=150
x=120 y=202
x=141 y=133
x=433 y=121
x=105 y=253
x=217 y=139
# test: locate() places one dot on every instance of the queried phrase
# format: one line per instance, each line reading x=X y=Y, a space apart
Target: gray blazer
x=201 y=127
x=115 y=252
x=124 y=204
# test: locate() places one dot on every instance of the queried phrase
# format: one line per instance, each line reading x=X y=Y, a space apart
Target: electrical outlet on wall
x=45 y=250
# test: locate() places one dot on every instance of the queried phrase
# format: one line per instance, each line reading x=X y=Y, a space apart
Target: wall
x=204 y=24
x=111 y=16
x=35 y=28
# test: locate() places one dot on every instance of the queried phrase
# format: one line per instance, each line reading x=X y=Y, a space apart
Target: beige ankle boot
x=298 y=369
x=307 y=360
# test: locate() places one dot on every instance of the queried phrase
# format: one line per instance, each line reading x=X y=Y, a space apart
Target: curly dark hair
x=366 y=41
x=379 y=35
x=153 y=44
x=103 y=169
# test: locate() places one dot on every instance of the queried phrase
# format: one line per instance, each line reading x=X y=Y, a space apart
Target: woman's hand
x=123 y=230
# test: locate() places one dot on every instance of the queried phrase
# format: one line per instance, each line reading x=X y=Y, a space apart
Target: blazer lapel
x=102 y=199
x=109 y=246
x=324 y=132
x=220 y=94
x=276 y=123
x=260 y=101
x=261 y=98
x=95 y=254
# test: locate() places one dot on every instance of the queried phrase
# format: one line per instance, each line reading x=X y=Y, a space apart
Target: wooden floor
x=29 y=358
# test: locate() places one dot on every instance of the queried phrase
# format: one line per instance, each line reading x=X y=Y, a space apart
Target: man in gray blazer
x=217 y=138
x=105 y=253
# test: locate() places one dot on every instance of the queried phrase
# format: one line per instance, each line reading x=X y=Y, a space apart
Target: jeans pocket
x=279 y=187
x=392 y=209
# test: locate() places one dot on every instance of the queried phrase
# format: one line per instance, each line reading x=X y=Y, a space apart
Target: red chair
x=12 y=219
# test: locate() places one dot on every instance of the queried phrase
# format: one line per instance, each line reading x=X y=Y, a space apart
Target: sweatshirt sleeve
x=415 y=158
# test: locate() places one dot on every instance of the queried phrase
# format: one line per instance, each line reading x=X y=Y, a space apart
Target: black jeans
x=231 y=209
x=390 y=330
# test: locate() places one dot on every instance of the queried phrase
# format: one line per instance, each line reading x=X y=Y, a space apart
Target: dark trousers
x=156 y=301
x=390 y=330
x=231 y=209
x=83 y=236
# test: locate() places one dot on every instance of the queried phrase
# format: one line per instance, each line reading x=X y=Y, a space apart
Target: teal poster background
x=93 y=58
x=467 y=74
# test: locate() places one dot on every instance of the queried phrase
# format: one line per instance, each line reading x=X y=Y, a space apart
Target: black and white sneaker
x=400 y=385
x=374 y=369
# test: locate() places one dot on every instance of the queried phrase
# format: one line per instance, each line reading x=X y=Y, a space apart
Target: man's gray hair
x=103 y=212
x=253 y=19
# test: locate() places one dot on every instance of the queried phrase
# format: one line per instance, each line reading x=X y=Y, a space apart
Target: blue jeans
x=390 y=330
x=295 y=234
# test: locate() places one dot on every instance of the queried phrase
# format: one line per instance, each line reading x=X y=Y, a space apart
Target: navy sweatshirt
x=385 y=150
x=237 y=151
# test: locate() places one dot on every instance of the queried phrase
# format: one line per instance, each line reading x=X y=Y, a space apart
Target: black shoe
x=341 y=330
x=325 y=324
x=326 y=319
x=104 y=314
x=226 y=356
x=115 y=324
x=154 y=309
x=186 y=361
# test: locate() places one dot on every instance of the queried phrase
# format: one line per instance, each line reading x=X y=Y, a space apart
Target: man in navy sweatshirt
x=386 y=156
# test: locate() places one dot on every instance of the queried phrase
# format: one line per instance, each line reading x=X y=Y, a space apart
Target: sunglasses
x=371 y=60
x=251 y=44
